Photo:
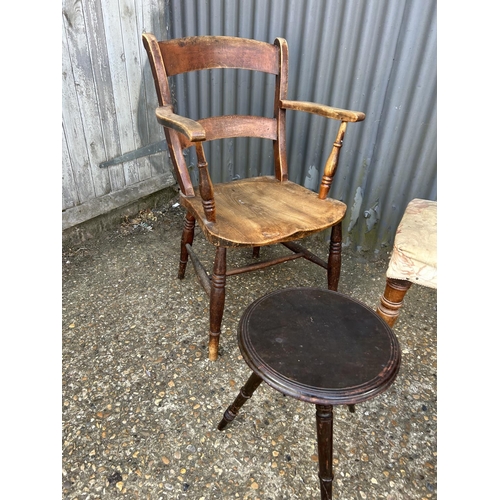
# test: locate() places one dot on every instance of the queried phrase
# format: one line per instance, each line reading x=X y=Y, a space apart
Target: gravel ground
x=141 y=401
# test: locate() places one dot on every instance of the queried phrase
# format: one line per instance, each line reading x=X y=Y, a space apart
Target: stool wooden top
x=319 y=346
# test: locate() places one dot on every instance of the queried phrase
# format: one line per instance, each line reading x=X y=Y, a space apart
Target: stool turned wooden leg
x=217 y=299
x=187 y=238
x=392 y=300
x=245 y=394
x=335 y=257
x=324 y=426
x=256 y=252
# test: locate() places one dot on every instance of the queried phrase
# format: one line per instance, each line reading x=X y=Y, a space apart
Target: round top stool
x=318 y=346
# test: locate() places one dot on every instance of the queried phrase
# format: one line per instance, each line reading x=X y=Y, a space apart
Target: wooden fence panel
x=108 y=106
x=102 y=77
x=73 y=134
x=81 y=66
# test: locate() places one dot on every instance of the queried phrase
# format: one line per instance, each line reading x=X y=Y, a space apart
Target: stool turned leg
x=256 y=252
x=324 y=427
x=392 y=300
x=245 y=394
x=335 y=257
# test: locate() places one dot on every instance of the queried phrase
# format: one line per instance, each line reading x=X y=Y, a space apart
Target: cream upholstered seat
x=414 y=257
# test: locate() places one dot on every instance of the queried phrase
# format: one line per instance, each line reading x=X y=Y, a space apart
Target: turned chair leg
x=187 y=238
x=245 y=394
x=324 y=427
x=217 y=299
x=392 y=300
x=335 y=257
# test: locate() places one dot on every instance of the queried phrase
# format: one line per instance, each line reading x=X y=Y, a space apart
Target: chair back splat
x=252 y=212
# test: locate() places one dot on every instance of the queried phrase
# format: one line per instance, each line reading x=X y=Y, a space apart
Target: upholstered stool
x=318 y=346
x=413 y=259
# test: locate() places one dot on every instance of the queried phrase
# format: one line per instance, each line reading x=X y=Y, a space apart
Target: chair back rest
x=172 y=57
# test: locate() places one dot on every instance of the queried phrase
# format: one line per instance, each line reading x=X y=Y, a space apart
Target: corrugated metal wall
x=375 y=56
x=378 y=57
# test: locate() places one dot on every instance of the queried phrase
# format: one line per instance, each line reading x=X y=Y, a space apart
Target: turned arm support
x=344 y=116
x=194 y=133
x=206 y=187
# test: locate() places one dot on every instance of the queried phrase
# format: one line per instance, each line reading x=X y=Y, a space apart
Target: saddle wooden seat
x=273 y=211
x=252 y=212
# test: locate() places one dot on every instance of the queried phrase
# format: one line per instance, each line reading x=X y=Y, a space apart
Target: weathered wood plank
x=133 y=50
x=151 y=19
x=69 y=193
x=95 y=29
x=111 y=201
x=74 y=133
x=132 y=45
x=81 y=67
x=119 y=79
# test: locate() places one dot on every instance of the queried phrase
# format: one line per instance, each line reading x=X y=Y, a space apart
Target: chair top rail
x=182 y=55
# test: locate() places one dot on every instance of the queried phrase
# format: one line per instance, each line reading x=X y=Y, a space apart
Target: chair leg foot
x=213 y=347
x=187 y=238
x=245 y=394
x=392 y=300
x=335 y=257
x=217 y=299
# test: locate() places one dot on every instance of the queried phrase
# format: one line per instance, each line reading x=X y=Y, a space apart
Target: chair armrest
x=344 y=115
x=190 y=128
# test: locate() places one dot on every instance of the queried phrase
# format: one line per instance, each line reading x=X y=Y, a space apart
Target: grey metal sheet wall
x=375 y=56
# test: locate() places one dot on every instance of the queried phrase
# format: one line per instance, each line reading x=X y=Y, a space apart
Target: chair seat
x=263 y=211
x=414 y=256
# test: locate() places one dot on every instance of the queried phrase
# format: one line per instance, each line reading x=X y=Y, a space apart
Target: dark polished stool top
x=319 y=346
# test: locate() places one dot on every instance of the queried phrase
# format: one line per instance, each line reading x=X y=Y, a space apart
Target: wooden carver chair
x=413 y=259
x=252 y=212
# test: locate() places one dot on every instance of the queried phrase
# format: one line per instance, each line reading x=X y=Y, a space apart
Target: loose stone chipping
x=141 y=402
